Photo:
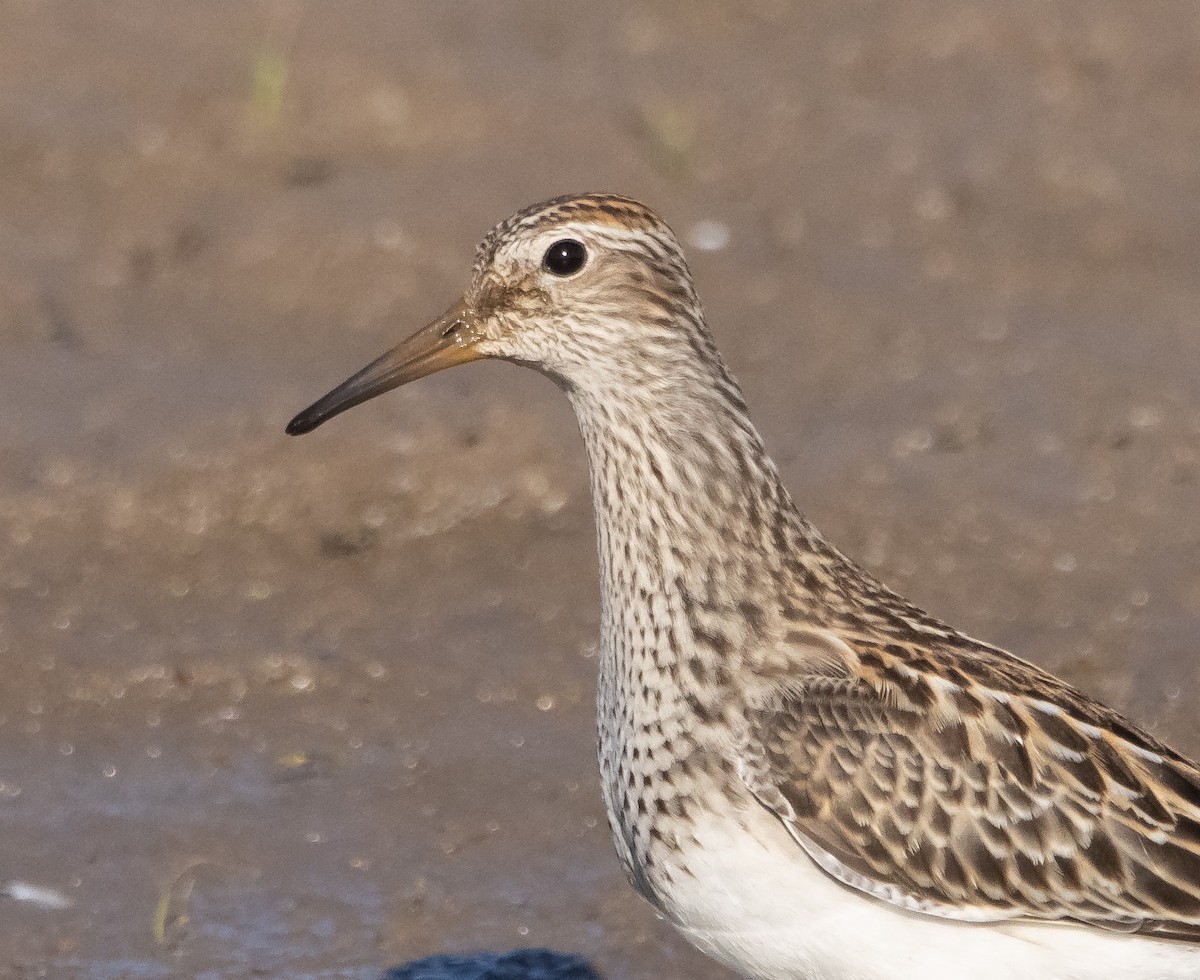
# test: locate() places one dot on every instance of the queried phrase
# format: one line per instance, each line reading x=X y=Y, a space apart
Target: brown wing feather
x=1009 y=795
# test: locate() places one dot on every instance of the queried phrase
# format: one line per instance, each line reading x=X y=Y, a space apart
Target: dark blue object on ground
x=520 y=964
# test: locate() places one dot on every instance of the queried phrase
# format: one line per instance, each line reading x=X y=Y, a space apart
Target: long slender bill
x=449 y=340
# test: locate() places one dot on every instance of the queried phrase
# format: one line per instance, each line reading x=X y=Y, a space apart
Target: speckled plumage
x=807 y=774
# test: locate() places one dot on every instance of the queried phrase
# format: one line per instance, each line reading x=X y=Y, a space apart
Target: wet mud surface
x=277 y=707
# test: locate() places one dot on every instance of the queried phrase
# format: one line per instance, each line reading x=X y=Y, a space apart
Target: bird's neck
x=693 y=523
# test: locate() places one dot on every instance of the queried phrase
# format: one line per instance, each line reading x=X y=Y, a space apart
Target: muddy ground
x=310 y=708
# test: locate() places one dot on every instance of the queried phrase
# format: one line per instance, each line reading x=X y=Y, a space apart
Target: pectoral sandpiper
x=808 y=775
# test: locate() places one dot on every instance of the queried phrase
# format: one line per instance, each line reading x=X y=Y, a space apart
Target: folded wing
x=955 y=790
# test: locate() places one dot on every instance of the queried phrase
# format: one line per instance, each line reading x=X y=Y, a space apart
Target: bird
x=809 y=776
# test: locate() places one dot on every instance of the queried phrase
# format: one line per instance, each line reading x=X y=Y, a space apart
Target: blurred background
x=277 y=707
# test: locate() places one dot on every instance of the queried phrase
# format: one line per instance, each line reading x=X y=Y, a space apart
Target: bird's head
x=591 y=290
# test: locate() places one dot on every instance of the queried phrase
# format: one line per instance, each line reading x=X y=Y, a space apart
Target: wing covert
x=978 y=803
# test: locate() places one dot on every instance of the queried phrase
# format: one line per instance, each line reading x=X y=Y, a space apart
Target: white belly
x=757 y=903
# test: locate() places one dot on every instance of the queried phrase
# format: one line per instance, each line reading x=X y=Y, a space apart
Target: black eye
x=565 y=257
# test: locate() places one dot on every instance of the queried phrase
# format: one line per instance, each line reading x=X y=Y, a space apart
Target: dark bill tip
x=305 y=421
x=376 y=378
